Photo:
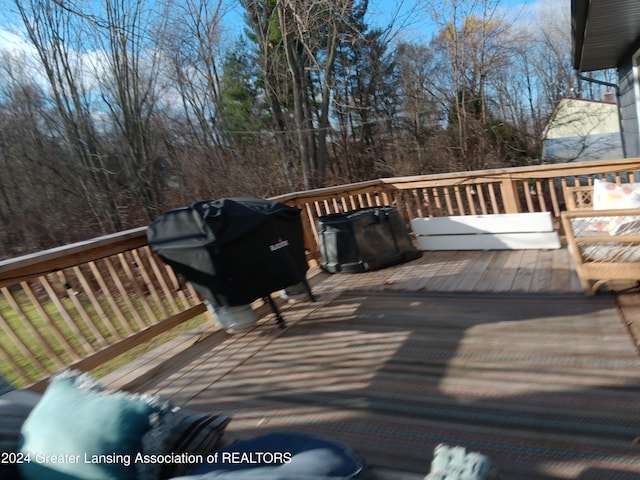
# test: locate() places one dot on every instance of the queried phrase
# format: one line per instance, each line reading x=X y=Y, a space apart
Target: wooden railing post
x=510 y=197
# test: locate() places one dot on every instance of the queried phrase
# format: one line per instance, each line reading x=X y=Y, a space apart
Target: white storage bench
x=509 y=231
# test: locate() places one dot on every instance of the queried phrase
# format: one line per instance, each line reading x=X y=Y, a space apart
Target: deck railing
x=84 y=304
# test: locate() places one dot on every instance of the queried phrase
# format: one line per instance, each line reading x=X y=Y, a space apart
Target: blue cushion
x=76 y=421
x=281 y=456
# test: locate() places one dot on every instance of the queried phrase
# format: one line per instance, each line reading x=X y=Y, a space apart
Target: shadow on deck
x=499 y=352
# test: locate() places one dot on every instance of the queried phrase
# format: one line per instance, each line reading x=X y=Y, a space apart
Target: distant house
x=582 y=130
x=606 y=34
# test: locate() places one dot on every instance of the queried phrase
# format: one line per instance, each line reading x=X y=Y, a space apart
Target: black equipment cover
x=232 y=250
x=364 y=239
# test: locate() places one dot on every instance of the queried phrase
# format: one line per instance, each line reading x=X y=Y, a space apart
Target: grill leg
x=307 y=287
x=281 y=323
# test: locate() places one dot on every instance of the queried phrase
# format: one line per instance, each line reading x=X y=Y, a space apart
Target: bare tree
x=132 y=35
x=298 y=42
x=56 y=35
x=22 y=146
x=423 y=108
x=472 y=49
x=262 y=19
x=192 y=48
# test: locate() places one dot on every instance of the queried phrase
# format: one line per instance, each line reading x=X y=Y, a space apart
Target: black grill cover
x=232 y=250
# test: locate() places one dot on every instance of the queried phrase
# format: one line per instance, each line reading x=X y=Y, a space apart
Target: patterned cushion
x=625 y=225
x=609 y=196
x=593 y=226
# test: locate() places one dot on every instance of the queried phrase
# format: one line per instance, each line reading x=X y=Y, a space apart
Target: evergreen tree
x=241 y=108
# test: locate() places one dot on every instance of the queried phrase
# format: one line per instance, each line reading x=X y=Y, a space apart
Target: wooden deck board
x=512 y=264
x=522 y=281
x=492 y=273
x=476 y=268
x=479 y=349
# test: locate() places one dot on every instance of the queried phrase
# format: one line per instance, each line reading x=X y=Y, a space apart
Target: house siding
x=603 y=146
x=582 y=130
x=629 y=109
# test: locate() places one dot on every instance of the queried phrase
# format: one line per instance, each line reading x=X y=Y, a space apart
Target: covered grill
x=233 y=250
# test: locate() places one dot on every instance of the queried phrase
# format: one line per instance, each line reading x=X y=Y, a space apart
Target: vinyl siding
x=629 y=110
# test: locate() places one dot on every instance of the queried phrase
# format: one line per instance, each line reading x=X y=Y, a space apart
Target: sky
x=409 y=17
x=416 y=21
x=412 y=22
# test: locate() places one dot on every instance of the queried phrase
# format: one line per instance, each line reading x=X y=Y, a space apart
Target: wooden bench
x=604 y=244
x=515 y=231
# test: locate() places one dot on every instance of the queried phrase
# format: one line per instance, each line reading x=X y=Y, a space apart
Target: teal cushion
x=80 y=431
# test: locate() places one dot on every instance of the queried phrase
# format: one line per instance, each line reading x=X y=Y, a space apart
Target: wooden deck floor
x=497 y=351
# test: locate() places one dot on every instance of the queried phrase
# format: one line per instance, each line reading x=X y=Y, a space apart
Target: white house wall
x=604 y=146
x=582 y=130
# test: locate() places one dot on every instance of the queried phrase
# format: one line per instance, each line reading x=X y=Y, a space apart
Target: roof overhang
x=605 y=32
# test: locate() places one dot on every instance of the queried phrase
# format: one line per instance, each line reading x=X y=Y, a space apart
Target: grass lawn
x=38 y=340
